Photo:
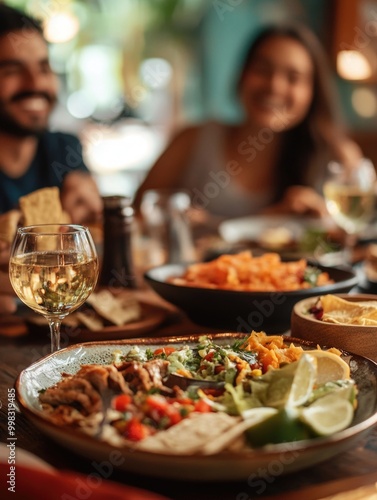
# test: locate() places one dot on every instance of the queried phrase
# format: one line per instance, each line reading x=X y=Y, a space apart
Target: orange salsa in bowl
x=245 y=272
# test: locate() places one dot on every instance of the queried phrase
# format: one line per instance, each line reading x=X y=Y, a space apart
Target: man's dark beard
x=11 y=127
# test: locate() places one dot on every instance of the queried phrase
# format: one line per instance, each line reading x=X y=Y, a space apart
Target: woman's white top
x=212 y=180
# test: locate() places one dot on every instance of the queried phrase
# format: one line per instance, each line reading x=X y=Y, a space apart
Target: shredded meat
x=104 y=376
x=63 y=414
x=144 y=376
x=77 y=397
x=74 y=391
x=83 y=390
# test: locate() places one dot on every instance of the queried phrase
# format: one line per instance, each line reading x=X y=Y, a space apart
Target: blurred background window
x=134 y=71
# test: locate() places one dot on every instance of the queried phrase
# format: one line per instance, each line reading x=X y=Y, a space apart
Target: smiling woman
x=272 y=160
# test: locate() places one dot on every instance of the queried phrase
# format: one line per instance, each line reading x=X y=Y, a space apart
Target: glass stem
x=54 y=324
x=349 y=246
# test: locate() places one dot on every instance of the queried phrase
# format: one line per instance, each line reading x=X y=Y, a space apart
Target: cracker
x=8 y=225
x=42 y=207
x=118 y=310
x=90 y=319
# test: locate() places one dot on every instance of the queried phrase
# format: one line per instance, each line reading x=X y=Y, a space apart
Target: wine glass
x=350 y=198
x=53 y=268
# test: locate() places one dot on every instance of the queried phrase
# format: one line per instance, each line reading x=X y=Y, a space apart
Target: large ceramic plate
x=225 y=465
x=240 y=311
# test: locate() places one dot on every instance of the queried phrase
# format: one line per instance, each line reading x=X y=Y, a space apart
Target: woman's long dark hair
x=317 y=135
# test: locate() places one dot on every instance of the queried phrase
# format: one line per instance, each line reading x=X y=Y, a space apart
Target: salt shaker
x=167 y=226
x=117 y=269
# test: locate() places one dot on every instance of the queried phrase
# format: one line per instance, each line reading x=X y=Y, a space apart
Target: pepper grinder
x=117 y=269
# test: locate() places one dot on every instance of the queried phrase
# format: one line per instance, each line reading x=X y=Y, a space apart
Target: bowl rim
x=351 y=281
x=298 y=310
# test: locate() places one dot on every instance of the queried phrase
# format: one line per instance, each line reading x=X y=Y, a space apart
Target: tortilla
x=191 y=435
x=338 y=310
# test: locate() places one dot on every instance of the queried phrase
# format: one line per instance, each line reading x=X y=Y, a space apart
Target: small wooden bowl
x=357 y=339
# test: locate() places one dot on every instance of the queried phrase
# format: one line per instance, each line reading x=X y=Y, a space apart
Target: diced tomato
x=213 y=392
x=122 y=402
x=174 y=415
x=255 y=366
x=135 y=430
x=219 y=368
x=160 y=408
x=157 y=403
x=202 y=407
x=209 y=356
x=164 y=350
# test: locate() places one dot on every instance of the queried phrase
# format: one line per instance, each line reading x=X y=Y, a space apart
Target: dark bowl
x=239 y=311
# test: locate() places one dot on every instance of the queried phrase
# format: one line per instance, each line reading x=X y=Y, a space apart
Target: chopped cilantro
x=311 y=275
x=149 y=354
x=237 y=344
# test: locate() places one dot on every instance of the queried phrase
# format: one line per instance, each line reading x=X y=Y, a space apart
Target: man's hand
x=80 y=198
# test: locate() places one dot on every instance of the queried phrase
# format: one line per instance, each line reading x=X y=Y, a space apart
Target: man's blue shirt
x=57 y=155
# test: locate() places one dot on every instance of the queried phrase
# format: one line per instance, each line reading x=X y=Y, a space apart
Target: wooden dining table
x=20 y=347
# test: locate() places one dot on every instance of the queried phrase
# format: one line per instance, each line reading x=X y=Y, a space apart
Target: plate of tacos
x=204 y=406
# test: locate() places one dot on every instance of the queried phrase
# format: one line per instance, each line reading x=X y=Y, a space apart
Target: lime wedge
x=327 y=415
x=303 y=381
x=290 y=386
x=345 y=389
x=255 y=415
x=282 y=427
x=330 y=366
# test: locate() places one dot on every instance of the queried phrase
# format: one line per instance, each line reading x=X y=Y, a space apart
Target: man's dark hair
x=14 y=20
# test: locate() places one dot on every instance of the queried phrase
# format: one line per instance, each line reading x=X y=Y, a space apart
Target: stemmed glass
x=53 y=269
x=350 y=198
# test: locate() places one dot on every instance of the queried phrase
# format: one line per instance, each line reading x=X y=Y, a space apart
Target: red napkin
x=35 y=484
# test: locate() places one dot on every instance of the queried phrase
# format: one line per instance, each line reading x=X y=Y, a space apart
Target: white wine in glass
x=53 y=269
x=350 y=198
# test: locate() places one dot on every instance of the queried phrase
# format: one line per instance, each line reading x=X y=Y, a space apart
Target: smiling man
x=31 y=157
